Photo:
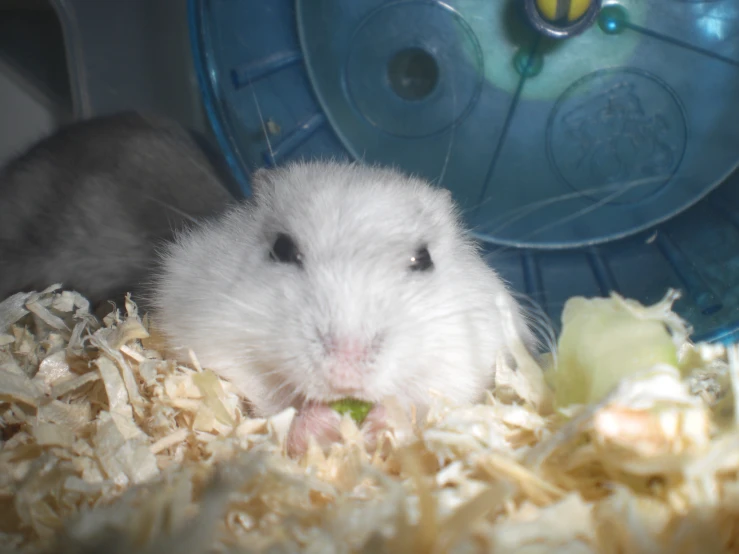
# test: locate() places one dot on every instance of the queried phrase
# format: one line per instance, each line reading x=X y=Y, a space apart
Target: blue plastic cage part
x=602 y=161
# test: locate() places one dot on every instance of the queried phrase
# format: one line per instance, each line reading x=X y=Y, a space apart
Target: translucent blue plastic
x=594 y=163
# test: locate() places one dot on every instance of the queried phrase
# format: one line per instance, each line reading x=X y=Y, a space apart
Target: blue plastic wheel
x=585 y=162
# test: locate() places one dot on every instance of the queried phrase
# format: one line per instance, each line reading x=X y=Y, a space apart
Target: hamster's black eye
x=421 y=261
x=284 y=250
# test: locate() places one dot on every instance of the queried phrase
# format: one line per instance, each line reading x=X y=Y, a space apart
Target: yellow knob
x=555 y=10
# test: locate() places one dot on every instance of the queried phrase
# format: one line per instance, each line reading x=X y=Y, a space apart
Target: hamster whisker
x=292 y=396
x=277 y=358
x=265 y=131
x=546 y=342
x=537 y=319
x=452 y=132
x=450 y=315
x=529 y=303
x=238 y=303
x=512 y=216
x=169 y=207
x=281 y=387
x=540 y=322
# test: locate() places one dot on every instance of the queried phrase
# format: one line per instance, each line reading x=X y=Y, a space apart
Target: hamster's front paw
x=373 y=425
x=317 y=420
x=322 y=422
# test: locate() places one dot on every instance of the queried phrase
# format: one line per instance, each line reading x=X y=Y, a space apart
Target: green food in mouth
x=357 y=409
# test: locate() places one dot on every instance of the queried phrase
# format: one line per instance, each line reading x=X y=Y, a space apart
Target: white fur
x=257 y=322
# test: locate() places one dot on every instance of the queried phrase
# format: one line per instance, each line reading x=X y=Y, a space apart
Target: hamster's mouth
x=328 y=398
x=358 y=408
x=321 y=421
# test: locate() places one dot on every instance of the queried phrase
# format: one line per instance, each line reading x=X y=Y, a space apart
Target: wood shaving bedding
x=109 y=446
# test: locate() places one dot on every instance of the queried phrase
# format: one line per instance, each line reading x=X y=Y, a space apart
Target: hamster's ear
x=446 y=194
x=445 y=201
x=260 y=181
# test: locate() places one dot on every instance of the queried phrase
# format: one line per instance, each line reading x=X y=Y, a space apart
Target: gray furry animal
x=90 y=205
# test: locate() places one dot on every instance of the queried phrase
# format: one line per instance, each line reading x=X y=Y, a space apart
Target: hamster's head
x=337 y=280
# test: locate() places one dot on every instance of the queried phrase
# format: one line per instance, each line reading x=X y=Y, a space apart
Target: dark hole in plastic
x=413 y=73
x=712 y=309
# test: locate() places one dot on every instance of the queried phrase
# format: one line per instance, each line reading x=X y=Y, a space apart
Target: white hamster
x=336 y=280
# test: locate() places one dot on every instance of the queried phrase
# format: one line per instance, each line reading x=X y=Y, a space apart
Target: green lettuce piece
x=604 y=340
x=357 y=409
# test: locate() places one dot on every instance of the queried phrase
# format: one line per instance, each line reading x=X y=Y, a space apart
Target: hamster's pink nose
x=347 y=361
x=348 y=350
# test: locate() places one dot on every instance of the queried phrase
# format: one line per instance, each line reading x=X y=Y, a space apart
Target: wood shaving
x=107 y=445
